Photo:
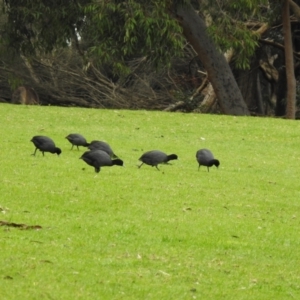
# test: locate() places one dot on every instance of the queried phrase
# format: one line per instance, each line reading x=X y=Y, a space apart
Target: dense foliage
x=233 y=24
x=107 y=31
x=115 y=31
x=92 y=52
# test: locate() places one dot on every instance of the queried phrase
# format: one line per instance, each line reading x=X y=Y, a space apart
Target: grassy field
x=130 y=233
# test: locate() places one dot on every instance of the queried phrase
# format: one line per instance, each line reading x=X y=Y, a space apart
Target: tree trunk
x=210 y=97
x=219 y=73
x=289 y=62
x=248 y=82
x=295 y=8
x=281 y=89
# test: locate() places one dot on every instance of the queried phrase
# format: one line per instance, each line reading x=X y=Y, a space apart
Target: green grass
x=130 y=233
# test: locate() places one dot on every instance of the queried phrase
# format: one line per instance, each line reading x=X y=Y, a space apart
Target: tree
x=114 y=31
x=219 y=73
x=289 y=61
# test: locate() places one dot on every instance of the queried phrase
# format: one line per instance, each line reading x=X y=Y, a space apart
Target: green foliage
x=242 y=40
x=132 y=233
x=229 y=26
x=114 y=32
x=111 y=31
x=40 y=26
x=14 y=81
x=121 y=31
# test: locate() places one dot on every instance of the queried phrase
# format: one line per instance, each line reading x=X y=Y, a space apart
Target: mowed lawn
x=130 y=233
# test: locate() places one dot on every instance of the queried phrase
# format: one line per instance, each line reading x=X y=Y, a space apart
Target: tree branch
x=295 y=8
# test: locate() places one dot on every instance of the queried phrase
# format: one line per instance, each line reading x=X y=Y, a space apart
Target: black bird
x=99 y=158
x=45 y=144
x=77 y=139
x=206 y=158
x=99 y=145
x=155 y=157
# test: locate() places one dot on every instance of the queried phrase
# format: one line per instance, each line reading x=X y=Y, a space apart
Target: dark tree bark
x=249 y=84
x=289 y=62
x=219 y=73
x=281 y=89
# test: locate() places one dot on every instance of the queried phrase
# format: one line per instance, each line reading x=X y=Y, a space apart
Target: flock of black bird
x=100 y=153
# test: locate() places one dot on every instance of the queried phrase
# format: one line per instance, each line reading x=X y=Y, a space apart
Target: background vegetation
x=132 y=55
x=132 y=233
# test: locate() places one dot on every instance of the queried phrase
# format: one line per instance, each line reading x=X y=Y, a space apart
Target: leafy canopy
x=115 y=31
x=233 y=24
x=109 y=31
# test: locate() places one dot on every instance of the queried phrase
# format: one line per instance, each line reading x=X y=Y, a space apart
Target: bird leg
x=140 y=165
x=34 y=152
x=157 y=168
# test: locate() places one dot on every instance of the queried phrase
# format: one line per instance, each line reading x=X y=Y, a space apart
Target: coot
x=99 y=145
x=44 y=144
x=155 y=157
x=77 y=139
x=99 y=158
x=206 y=158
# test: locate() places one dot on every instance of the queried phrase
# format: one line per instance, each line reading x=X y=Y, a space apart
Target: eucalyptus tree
x=289 y=56
x=112 y=31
